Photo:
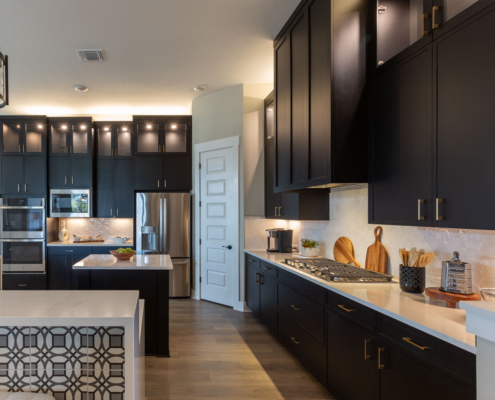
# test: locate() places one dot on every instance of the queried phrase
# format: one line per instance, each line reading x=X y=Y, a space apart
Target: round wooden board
x=451 y=298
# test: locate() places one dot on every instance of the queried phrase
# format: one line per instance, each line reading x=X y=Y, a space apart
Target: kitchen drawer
x=303 y=346
x=269 y=269
x=24 y=282
x=61 y=250
x=453 y=361
x=252 y=260
x=302 y=285
x=362 y=315
x=306 y=312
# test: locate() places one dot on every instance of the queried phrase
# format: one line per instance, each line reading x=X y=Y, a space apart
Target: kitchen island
x=148 y=274
x=72 y=345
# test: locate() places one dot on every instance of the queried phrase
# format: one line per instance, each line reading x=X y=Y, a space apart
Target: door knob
x=228 y=247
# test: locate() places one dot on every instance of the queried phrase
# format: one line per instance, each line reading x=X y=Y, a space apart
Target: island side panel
x=163 y=278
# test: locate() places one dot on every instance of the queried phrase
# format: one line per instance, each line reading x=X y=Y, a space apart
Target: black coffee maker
x=279 y=240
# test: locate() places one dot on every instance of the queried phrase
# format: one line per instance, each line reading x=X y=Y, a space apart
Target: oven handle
x=22 y=208
x=22 y=240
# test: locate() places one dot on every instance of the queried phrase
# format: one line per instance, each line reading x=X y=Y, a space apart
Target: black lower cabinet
x=352 y=364
x=59 y=272
x=402 y=377
x=268 y=302
x=24 y=282
x=253 y=289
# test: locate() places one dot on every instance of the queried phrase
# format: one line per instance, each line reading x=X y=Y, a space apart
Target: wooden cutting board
x=344 y=252
x=376 y=256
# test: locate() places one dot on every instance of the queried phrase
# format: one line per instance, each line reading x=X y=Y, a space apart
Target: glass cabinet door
x=59 y=139
x=400 y=24
x=123 y=141
x=105 y=148
x=33 y=141
x=176 y=138
x=447 y=9
x=81 y=133
x=11 y=137
x=148 y=139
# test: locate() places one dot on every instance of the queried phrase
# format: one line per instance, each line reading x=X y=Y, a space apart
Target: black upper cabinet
x=124 y=188
x=26 y=175
x=160 y=135
x=114 y=139
x=147 y=173
x=24 y=135
x=463 y=66
x=70 y=137
x=66 y=172
x=176 y=173
x=401 y=143
x=317 y=129
x=105 y=188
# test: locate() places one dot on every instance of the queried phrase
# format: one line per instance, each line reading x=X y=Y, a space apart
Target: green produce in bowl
x=125 y=250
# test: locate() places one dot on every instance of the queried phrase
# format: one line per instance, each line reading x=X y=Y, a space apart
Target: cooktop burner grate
x=331 y=270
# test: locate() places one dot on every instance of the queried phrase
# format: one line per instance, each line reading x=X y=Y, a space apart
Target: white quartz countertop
x=64 y=307
x=137 y=262
x=416 y=310
x=105 y=243
x=480 y=317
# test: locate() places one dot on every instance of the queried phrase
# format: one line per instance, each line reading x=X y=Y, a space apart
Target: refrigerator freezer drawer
x=180 y=278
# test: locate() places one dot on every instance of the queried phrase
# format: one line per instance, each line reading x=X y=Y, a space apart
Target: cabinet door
x=449 y=14
x=12 y=175
x=352 y=364
x=147 y=139
x=464 y=121
x=80 y=141
x=81 y=171
x=59 y=139
x=79 y=280
x=147 y=172
x=272 y=200
x=104 y=141
x=253 y=289
x=401 y=155
x=124 y=188
x=11 y=137
x=59 y=272
x=105 y=188
x=34 y=138
x=123 y=141
x=176 y=138
x=34 y=175
x=176 y=173
x=405 y=378
x=268 y=302
x=58 y=171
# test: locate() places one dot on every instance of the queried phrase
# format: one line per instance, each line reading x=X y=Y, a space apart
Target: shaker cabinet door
x=176 y=173
x=34 y=175
x=124 y=188
x=253 y=289
x=12 y=175
x=81 y=169
x=58 y=171
x=105 y=188
x=147 y=173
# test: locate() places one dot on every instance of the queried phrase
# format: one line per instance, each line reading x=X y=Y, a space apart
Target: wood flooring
x=219 y=353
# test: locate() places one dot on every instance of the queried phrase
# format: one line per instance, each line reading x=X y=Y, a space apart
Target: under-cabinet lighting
x=124 y=129
x=106 y=129
x=148 y=126
x=83 y=126
x=174 y=126
x=64 y=127
x=40 y=126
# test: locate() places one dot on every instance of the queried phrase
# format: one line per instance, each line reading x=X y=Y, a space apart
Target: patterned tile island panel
x=69 y=363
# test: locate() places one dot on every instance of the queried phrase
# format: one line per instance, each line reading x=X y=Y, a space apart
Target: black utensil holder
x=412 y=279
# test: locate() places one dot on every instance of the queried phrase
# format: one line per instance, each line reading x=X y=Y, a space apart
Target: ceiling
x=156 y=52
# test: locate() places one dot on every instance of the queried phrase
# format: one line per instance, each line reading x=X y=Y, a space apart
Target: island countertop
x=137 y=262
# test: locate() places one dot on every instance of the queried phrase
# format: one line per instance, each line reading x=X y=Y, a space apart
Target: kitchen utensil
x=456 y=276
x=412 y=279
x=413 y=257
x=376 y=255
x=343 y=251
x=425 y=259
x=122 y=256
x=451 y=298
x=488 y=294
x=403 y=256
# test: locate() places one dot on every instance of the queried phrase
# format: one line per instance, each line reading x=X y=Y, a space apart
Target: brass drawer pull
x=267 y=268
x=253 y=261
x=366 y=355
x=433 y=18
x=345 y=309
x=294 y=340
x=22 y=284
x=420 y=217
x=439 y=217
x=408 y=340
x=380 y=351
x=257 y=278
x=425 y=16
x=295 y=308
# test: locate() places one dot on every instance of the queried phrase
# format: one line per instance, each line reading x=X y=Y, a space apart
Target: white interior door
x=219 y=197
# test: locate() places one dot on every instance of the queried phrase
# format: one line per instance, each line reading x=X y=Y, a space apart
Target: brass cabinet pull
x=25 y=188
x=294 y=340
x=117 y=212
x=366 y=355
x=408 y=340
x=18 y=187
x=72 y=180
x=345 y=309
x=267 y=268
x=380 y=351
x=164 y=183
x=433 y=19
x=420 y=217
x=439 y=217
x=251 y=260
x=22 y=284
x=23 y=148
x=295 y=308
x=280 y=211
x=158 y=182
x=110 y=212
x=257 y=278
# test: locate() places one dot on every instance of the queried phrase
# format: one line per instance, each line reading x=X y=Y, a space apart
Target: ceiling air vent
x=91 y=55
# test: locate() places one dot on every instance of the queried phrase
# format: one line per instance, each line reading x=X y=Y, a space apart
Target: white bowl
x=488 y=294
x=119 y=240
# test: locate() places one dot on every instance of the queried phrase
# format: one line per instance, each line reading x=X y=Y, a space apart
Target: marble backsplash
x=105 y=227
x=349 y=217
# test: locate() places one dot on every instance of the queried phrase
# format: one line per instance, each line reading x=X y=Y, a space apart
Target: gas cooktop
x=335 y=271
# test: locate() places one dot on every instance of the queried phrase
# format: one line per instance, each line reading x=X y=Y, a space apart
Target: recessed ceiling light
x=174 y=126
x=81 y=88
x=124 y=129
x=200 y=88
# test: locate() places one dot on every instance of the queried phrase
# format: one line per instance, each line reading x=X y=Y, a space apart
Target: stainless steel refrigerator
x=163 y=226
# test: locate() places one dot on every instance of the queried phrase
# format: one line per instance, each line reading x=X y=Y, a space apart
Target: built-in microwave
x=70 y=203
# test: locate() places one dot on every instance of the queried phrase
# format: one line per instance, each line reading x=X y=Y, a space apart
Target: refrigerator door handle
x=160 y=239
x=164 y=222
